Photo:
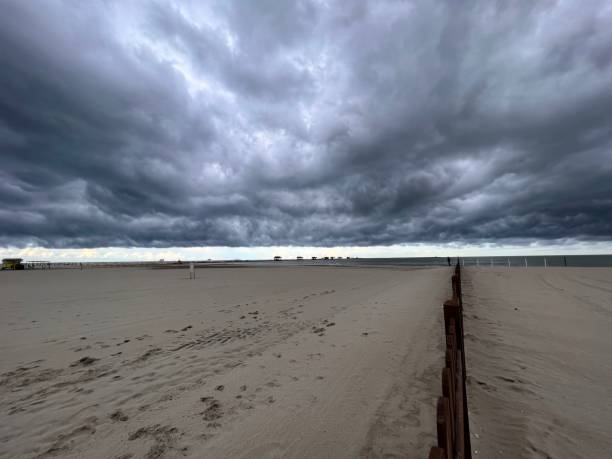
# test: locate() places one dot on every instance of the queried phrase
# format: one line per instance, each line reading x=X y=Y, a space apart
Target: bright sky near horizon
x=266 y=253
x=229 y=129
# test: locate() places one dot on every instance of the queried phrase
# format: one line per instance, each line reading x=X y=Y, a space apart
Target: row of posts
x=452 y=423
x=508 y=262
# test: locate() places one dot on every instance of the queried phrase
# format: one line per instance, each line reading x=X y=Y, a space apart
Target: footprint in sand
x=486 y=386
x=119 y=416
x=82 y=348
x=84 y=361
x=213 y=411
x=64 y=442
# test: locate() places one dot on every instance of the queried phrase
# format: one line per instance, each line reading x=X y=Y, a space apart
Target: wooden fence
x=451 y=412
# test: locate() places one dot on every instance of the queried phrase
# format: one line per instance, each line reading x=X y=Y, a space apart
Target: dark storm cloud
x=304 y=123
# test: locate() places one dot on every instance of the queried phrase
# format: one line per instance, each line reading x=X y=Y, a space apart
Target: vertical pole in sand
x=191 y=271
x=545 y=265
x=525 y=262
x=508 y=262
x=491 y=262
x=477 y=262
x=463 y=261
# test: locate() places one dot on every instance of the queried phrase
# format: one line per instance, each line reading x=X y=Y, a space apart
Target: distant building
x=13 y=264
x=300 y=258
x=314 y=258
x=278 y=258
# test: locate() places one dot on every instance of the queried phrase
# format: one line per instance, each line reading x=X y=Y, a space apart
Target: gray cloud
x=304 y=123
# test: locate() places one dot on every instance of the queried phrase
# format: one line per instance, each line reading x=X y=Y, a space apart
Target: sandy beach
x=242 y=362
x=538 y=345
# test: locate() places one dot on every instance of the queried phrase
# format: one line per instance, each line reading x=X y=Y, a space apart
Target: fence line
x=453 y=427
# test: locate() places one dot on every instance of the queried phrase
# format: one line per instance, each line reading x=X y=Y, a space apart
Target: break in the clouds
x=316 y=123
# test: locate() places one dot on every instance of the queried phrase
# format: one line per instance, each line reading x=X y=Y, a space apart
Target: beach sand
x=539 y=361
x=241 y=362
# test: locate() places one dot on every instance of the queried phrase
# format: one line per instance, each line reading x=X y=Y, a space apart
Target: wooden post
x=451 y=318
x=444 y=427
x=460 y=413
x=448 y=391
x=455 y=285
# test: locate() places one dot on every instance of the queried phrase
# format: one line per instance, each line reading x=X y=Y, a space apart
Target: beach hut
x=13 y=264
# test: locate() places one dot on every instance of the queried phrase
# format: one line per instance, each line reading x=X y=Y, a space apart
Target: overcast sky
x=269 y=123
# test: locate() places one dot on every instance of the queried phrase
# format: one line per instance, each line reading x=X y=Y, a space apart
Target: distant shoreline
x=579 y=261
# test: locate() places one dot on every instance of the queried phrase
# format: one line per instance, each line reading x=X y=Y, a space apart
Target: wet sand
x=241 y=362
x=538 y=348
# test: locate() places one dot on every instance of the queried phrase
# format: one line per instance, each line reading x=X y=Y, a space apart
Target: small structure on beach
x=314 y=258
x=14 y=264
x=278 y=258
x=300 y=258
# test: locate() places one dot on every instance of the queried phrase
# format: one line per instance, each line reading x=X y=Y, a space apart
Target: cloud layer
x=304 y=123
